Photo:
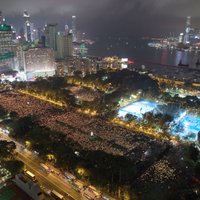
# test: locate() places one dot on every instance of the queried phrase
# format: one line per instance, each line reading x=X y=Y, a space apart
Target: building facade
x=28 y=186
x=51 y=36
x=74 y=31
x=64 y=45
x=27 y=27
x=7 y=48
x=38 y=62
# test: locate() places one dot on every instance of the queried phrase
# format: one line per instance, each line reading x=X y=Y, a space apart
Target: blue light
x=137 y=108
x=186 y=126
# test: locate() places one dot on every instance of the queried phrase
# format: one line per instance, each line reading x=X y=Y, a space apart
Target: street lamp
x=28 y=144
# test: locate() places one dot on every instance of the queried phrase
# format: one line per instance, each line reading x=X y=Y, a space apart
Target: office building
x=188 y=24
x=1 y=17
x=19 y=62
x=80 y=49
x=27 y=27
x=38 y=62
x=42 y=41
x=68 y=46
x=51 y=36
x=64 y=45
x=60 y=45
x=29 y=186
x=187 y=30
x=74 y=32
x=66 y=29
x=180 y=38
x=34 y=33
x=7 y=48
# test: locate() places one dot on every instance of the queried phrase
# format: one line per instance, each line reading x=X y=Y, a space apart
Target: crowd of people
x=93 y=133
x=160 y=172
x=84 y=94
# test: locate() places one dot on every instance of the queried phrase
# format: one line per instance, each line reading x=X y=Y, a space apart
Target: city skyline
x=100 y=100
x=125 y=19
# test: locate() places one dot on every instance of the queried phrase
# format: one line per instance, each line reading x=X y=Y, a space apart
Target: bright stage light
x=186 y=125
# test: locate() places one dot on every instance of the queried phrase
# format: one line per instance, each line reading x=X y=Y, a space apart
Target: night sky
x=104 y=19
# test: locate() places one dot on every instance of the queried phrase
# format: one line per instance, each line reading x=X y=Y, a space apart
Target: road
x=48 y=181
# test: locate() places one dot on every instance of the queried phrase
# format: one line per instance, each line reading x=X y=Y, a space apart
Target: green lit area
x=5 y=27
x=6 y=55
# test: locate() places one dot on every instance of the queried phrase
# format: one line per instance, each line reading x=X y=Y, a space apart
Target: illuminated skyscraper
x=50 y=34
x=74 y=32
x=27 y=27
x=6 y=47
x=187 y=30
x=34 y=34
x=180 y=39
x=188 y=24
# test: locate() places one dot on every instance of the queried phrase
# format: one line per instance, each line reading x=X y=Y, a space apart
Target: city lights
x=185 y=125
x=100 y=100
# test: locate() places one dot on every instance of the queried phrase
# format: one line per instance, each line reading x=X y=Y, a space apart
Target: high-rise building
x=187 y=30
x=68 y=46
x=38 y=62
x=51 y=34
x=180 y=39
x=34 y=33
x=60 y=45
x=7 y=48
x=74 y=32
x=21 y=34
x=19 y=63
x=64 y=45
x=40 y=32
x=1 y=18
x=66 y=29
x=188 y=24
x=27 y=27
x=42 y=41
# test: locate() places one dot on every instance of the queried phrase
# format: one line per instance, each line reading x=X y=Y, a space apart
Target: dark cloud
x=104 y=18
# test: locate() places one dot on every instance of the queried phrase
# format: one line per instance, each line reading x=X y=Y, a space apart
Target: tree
x=14 y=166
x=23 y=125
x=78 y=73
x=57 y=82
x=6 y=149
x=130 y=117
x=13 y=115
x=197 y=170
x=148 y=117
x=193 y=153
x=3 y=112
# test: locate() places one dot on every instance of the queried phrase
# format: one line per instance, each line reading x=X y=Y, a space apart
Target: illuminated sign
x=4 y=27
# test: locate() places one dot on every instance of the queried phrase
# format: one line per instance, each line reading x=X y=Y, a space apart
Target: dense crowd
x=160 y=172
x=91 y=133
x=84 y=94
